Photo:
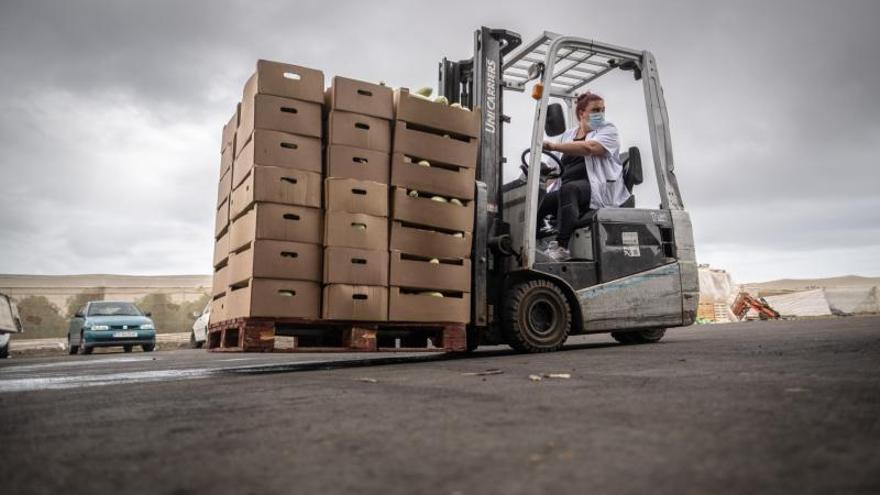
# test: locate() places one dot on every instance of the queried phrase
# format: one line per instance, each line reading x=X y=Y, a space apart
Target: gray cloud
x=111 y=111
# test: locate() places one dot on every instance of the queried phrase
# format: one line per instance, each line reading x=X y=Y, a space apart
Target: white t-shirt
x=605 y=172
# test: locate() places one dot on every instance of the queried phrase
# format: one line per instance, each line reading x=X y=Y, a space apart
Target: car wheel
x=148 y=347
x=4 y=351
x=127 y=348
x=71 y=349
x=639 y=337
x=83 y=348
x=537 y=316
x=193 y=343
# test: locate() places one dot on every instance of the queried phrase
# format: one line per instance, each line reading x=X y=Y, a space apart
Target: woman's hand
x=549 y=146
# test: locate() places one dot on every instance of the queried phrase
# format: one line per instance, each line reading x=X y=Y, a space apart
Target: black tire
x=193 y=343
x=71 y=349
x=472 y=337
x=148 y=347
x=4 y=351
x=127 y=348
x=640 y=336
x=83 y=348
x=537 y=316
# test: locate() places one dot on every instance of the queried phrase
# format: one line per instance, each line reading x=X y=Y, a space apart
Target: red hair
x=584 y=100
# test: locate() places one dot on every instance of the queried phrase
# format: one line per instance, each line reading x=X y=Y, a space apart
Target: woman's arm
x=577 y=148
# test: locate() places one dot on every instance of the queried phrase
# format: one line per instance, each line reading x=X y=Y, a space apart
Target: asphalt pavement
x=769 y=407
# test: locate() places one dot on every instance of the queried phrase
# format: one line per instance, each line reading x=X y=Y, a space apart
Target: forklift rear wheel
x=639 y=337
x=537 y=317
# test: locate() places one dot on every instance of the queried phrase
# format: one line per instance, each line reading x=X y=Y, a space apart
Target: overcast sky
x=111 y=112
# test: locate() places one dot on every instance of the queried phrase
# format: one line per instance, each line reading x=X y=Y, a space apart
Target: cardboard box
x=221 y=220
x=273 y=113
x=285 y=80
x=220 y=282
x=350 y=95
x=221 y=250
x=435 y=115
x=224 y=188
x=218 y=310
x=276 y=185
x=419 y=272
x=430 y=213
x=356 y=196
x=413 y=141
x=456 y=182
x=277 y=149
x=358 y=163
x=271 y=298
x=405 y=305
x=276 y=222
x=355 y=302
x=355 y=266
x=226 y=158
x=431 y=243
x=229 y=129
x=355 y=230
x=276 y=259
x=360 y=131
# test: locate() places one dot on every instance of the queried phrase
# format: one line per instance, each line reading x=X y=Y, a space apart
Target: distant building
x=58 y=289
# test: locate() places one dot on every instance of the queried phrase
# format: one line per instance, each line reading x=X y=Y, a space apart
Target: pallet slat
x=263 y=335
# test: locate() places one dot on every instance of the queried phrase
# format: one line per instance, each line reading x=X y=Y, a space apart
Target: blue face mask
x=597 y=120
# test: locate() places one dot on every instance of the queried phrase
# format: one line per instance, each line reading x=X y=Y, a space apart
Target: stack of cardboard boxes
x=432 y=178
x=356 y=201
x=351 y=227
x=275 y=233
x=221 y=223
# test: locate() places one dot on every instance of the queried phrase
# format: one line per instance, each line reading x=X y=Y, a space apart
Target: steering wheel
x=545 y=169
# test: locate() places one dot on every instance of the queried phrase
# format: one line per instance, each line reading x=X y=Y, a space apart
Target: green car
x=110 y=324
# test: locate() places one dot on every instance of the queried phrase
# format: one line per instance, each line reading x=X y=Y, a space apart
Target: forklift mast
x=478 y=82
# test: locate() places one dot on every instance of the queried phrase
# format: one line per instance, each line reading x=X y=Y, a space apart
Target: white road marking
x=29 y=367
x=63 y=382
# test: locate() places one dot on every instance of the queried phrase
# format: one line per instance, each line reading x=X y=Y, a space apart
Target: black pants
x=568 y=203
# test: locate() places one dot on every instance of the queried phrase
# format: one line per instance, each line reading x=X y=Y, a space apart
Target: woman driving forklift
x=591 y=175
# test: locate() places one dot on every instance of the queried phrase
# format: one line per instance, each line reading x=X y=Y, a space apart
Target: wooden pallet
x=298 y=335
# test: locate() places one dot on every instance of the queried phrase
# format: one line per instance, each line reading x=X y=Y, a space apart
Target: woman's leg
x=547 y=206
x=574 y=199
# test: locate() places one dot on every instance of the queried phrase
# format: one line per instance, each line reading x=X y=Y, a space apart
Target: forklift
x=632 y=271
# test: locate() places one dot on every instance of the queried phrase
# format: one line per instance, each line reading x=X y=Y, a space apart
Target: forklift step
x=300 y=335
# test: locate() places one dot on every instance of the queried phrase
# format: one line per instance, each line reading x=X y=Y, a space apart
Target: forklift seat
x=632 y=176
x=632 y=169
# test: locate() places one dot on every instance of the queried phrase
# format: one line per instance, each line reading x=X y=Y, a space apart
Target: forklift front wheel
x=639 y=337
x=537 y=317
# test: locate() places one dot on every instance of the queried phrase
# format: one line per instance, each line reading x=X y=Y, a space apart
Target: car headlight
x=100 y=327
x=147 y=326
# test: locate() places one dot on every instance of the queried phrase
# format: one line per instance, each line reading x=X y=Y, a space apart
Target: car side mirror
x=555 y=123
x=148 y=314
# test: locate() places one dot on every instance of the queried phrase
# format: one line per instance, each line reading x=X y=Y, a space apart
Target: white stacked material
x=799 y=304
x=716 y=285
x=853 y=300
x=717 y=288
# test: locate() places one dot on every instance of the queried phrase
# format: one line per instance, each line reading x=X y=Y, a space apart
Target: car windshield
x=114 y=309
